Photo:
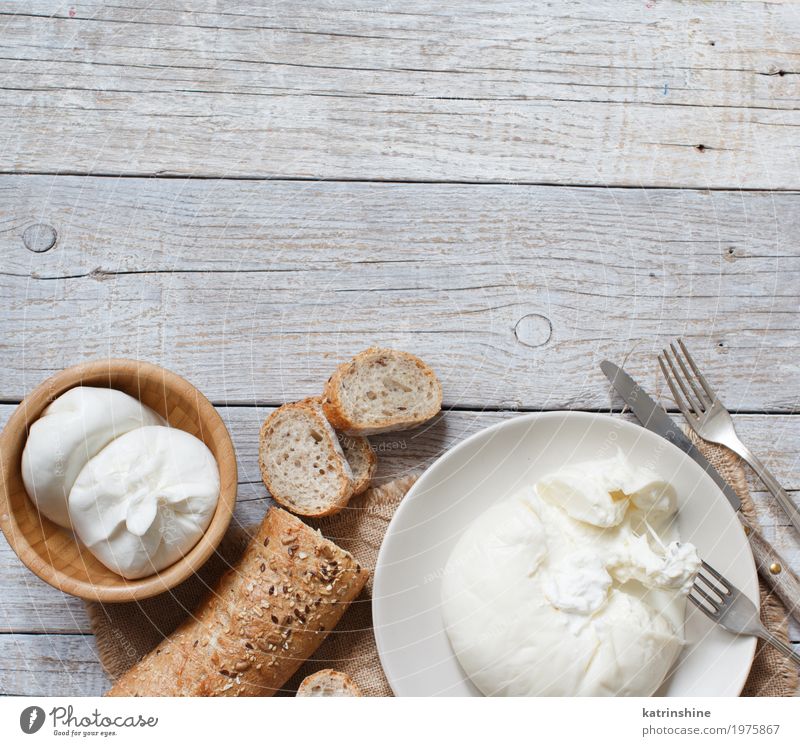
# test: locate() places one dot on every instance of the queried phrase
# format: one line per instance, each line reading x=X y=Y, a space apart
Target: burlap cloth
x=772 y=674
x=125 y=632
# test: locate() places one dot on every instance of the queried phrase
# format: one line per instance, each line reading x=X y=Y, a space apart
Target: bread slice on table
x=302 y=463
x=358 y=453
x=381 y=390
x=362 y=460
x=328 y=683
x=265 y=616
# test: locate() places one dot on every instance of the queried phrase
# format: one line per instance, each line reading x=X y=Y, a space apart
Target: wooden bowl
x=53 y=552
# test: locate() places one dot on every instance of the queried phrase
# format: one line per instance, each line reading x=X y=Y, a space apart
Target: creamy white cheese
x=573 y=587
x=72 y=430
x=145 y=500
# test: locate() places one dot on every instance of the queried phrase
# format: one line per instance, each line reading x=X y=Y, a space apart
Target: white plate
x=490 y=466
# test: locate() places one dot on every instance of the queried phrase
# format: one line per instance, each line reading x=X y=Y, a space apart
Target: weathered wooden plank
x=48 y=665
x=52 y=666
x=30 y=605
x=256 y=290
x=705 y=97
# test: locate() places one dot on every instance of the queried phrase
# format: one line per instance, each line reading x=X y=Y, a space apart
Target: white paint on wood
x=256 y=290
x=50 y=665
x=705 y=97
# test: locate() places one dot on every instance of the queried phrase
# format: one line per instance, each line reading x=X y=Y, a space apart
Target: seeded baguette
x=266 y=616
x=328 y=683
x=381 y=390
x=302 y=462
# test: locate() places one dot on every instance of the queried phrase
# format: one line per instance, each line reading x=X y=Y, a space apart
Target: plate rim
x=377 y=622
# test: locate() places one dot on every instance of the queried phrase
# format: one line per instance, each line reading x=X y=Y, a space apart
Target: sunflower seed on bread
x=265 y=616
x=328 y=683
x=381 y=390
x=302 y=463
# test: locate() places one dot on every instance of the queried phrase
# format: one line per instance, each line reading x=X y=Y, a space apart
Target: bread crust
x=334 y=408
x=338 y=500
x=363 y=445
x=266 y=616
x=343 y=681
x=357 y=442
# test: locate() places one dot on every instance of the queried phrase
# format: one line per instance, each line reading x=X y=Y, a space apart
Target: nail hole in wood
x=700 y=147
x=533 y=330
x=39 y=237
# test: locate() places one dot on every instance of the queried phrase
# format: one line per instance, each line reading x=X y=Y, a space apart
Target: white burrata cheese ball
x=145 y=500
x=74 y=428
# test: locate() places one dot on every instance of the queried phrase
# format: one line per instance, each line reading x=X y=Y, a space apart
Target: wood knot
x=39 y=237
x=533 y=330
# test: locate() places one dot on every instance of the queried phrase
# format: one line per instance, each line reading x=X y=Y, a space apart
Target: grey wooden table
x=513 y=190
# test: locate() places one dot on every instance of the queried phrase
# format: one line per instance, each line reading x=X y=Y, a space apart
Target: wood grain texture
x=546 y=93
x=255 y=291
x=50 y=665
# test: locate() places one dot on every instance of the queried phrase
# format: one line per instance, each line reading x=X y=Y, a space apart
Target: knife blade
x=771 y=566
x=654 y=418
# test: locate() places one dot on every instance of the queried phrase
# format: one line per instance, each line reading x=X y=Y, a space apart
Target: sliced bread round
x=328 y=683
x=362 y=460
x=301 y=461
x=358 y=452
x=381 y=390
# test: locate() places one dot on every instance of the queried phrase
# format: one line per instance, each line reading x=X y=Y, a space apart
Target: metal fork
x=707 y=416
x=726 y=605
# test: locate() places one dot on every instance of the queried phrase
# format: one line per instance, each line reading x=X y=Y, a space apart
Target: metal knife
x=771 y=566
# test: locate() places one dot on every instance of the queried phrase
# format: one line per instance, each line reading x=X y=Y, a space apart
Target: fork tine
x=687 y=413
x=700 y=377
x=711 y=571
x=679 y=400
x=702 y=397
x=699 y=397
x=700 y=605
x=715 y=603
x=687 y=397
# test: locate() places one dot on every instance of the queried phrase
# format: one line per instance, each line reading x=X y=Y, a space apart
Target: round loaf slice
x=328 y=683
x=301 y=461
x=381 y=390
x=362 y=460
